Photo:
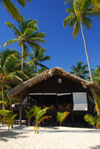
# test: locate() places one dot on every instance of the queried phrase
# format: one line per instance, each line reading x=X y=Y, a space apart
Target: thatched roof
x=15 y=92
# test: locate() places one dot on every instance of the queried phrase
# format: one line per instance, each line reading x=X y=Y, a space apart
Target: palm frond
x=37 y=34
x=87 y=22
x=89 y=119
x=12 y=41
x=76 y=29
x=23 y=2
x=13 y=28
x=69 y=20
x=12 y=9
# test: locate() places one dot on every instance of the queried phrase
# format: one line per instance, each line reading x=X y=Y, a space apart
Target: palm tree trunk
x=22 y=57
x=20 y=112
x=86 y=52
x=3 y=105
x=60 y=123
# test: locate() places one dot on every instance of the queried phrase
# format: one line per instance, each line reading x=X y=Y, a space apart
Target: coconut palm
x=26 y=33
x=5 y=57
x=79 y=70
x=80 y=5
x=62 y=116
x=37 y=57
x=78 y=18
x=12 y=9
x=38 y=113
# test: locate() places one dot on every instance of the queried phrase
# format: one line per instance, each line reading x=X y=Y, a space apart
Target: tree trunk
x=8 y=127
x=20 y=112
x=86 y=53
x=28 y=122
x=3 y=105
x=22 y=57
x=60 y=123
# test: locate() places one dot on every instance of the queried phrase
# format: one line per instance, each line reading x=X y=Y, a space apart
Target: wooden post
x=20 y=110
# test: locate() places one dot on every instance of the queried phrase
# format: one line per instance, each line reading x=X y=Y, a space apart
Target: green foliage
x=97 y=100
x=62 y=116
x=29 y=115
x=10 y=119
x=26 y=33
x=79 y=70
x=96 y=75
x=12 y=9
x=94 y=120
x=77 y=15
x=4 y=112
x=90 y=119
x=39 y=116
x=36 y=59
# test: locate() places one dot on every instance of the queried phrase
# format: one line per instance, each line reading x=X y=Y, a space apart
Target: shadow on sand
x=56 y=130
x=96 y=147
x=4 y=135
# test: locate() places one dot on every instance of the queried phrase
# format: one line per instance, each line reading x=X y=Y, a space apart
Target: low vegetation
x=62 y=116
x=39 y=116
x=96 y=119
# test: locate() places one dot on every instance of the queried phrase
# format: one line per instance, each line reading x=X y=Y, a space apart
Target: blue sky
x=61 y=46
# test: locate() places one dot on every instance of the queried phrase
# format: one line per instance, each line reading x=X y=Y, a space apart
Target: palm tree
x=29 y=115
x=79 y=70
x=90 y=119
x=26 y=33
x=81 y=4
x=12 y=9
x=10 y=119
x=3 y=112
x=38 y=113
x=61 y=116
x=37 y=57
x=78 y=17
x=5 y=57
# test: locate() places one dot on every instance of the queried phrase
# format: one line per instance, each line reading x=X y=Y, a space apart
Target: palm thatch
x=23 y=88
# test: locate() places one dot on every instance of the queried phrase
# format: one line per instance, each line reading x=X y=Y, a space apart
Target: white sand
x=50 y=138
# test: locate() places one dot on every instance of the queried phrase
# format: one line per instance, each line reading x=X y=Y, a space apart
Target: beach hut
x=59 y=90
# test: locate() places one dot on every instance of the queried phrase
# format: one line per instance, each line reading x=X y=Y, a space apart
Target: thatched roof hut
x=23 y=88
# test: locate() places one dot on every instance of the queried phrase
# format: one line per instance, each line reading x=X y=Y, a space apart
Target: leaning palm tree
x=79 y=70
x=37 y=57
x=78 y=18
x=12 y=9
x=38 y=113
x=26 y=33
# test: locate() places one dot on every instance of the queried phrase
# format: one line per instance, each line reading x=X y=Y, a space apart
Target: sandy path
x=50 y=138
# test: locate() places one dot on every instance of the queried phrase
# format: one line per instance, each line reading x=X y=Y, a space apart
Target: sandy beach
x=49 y=138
